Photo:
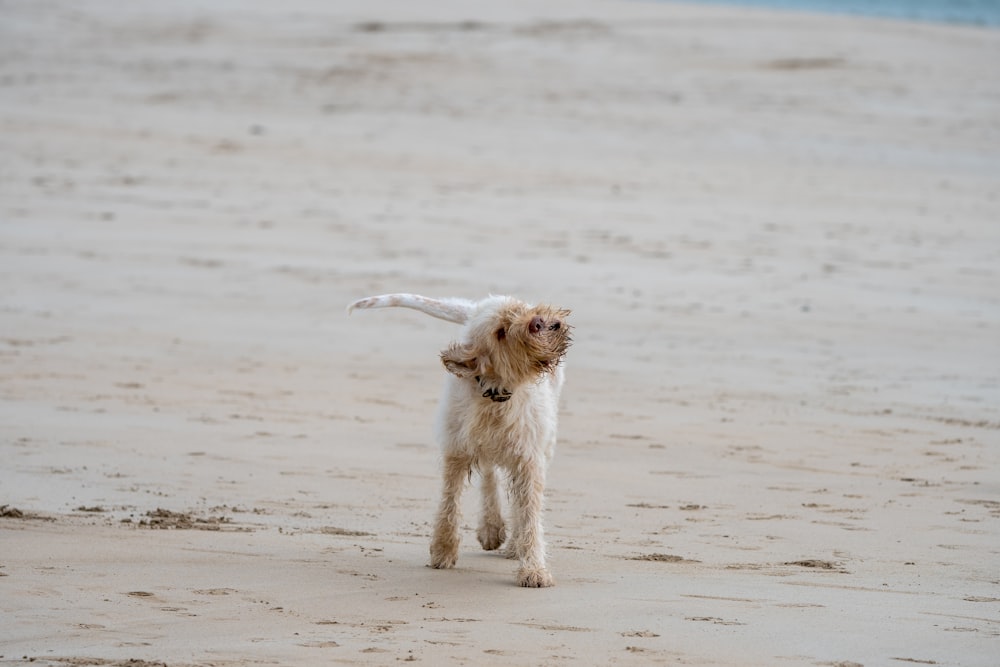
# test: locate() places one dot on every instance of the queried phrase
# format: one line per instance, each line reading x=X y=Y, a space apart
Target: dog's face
x=511 y=342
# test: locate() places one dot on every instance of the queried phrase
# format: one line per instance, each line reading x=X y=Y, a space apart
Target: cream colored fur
x=498 y=416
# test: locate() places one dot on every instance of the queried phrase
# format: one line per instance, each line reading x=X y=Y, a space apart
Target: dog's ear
x=461 y=360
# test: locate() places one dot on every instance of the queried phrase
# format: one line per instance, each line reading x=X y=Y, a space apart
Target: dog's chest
x=522 y=426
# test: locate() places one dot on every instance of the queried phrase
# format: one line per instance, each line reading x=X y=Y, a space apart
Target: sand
x=778 y=234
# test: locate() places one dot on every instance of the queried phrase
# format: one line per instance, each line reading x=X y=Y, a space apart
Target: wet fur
x=512 y=350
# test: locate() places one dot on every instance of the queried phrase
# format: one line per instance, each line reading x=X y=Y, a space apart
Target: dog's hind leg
x=444 y=546
x=492 y=532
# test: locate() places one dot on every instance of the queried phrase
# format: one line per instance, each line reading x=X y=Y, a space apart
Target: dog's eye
x=501 y=333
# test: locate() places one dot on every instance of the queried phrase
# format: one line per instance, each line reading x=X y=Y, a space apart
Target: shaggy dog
x=498 y=413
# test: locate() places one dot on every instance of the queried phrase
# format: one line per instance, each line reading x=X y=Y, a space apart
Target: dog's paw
x=534 y=578
x=491 y=536
x=443 y=561
x=443 y=558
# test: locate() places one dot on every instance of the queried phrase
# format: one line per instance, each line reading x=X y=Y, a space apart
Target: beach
x=778 y=235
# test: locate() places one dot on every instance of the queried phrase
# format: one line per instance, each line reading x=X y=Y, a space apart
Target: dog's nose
x=537 y=324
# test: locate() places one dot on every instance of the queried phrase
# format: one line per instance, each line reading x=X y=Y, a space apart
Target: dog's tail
x=450 y=309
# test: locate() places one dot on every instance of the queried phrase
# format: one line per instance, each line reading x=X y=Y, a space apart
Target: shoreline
x=986 y=15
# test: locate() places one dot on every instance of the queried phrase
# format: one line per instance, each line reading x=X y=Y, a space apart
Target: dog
x=498 y=416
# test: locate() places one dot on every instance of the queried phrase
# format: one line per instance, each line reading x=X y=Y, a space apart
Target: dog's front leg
x=527 y=499
x=444 y=546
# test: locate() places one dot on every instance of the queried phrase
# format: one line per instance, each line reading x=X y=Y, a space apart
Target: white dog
x=499 y=410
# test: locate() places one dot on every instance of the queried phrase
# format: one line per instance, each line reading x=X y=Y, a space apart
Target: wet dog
x=498 y=416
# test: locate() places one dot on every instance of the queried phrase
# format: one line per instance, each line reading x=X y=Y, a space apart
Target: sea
x=984 y=13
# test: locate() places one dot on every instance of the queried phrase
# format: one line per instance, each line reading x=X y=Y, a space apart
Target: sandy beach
x=779 y=235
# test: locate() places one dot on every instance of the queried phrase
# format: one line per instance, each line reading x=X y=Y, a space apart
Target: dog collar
x=495 y=394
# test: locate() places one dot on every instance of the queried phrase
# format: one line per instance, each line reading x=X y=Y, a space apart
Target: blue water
x=972 y=12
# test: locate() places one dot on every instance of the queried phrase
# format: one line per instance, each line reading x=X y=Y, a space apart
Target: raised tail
x=449 y=309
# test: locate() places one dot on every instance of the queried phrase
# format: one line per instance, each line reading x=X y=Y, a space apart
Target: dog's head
x=510 y=341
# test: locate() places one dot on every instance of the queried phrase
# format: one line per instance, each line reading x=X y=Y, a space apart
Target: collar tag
x=495 y=394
